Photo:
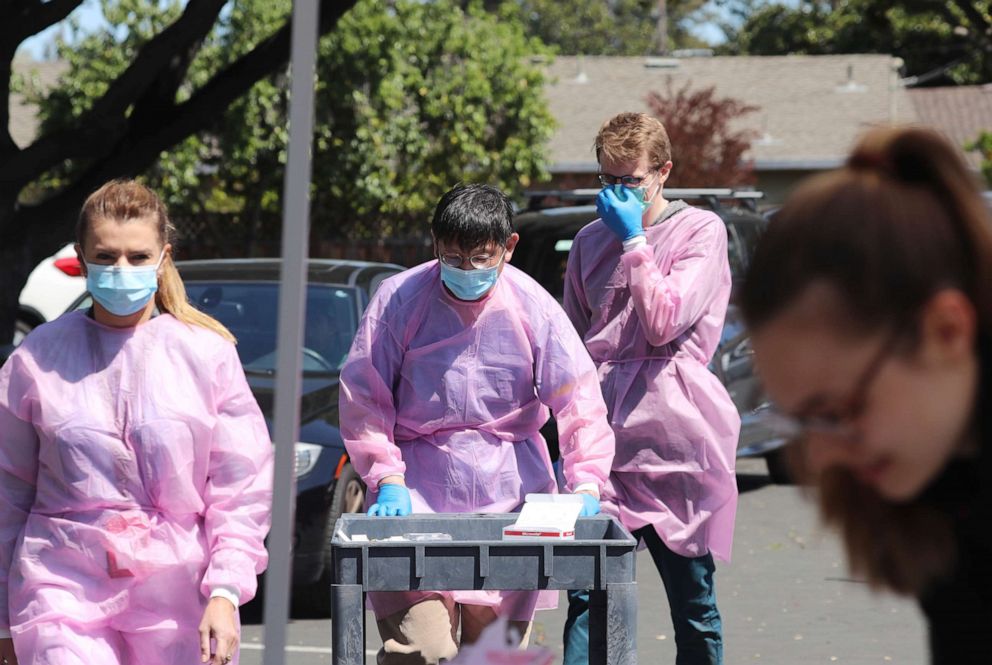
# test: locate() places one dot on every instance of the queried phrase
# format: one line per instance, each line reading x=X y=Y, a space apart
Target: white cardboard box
x=546 y=517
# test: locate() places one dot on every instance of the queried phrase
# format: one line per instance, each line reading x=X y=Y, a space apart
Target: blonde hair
x=626 y=136
x=127 y=200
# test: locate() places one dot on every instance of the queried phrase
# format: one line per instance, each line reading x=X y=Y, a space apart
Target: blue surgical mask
x=122 y=290
x=469 y=284
x=639 y=193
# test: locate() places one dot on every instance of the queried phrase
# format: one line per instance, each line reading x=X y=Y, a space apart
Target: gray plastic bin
x=601 y=558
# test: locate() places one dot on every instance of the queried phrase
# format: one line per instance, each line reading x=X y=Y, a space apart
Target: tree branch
x=7 y=145
x=140 y=148
x=21 y=19
x=97 y=130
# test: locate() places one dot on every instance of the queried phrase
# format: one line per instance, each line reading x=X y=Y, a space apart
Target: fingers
x=225 y=639
x=226 y=646
x=373 y=511
x=603 y=201
x=204 y=643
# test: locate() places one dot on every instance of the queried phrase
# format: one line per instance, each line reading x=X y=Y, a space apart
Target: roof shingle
x=812 y=108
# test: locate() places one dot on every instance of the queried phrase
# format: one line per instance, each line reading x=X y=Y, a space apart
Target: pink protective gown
x=451 y=394
x=135 y=478
x=651 y=319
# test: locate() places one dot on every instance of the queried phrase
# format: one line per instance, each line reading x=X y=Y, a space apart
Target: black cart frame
x=601 y=559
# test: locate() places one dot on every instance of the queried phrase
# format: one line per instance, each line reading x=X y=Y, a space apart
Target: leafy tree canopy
x=169 y=71
x=941 y=41
x=607 y=27
x=412 y=97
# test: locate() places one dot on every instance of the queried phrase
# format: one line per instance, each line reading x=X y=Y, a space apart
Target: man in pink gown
x=450 y=377
x=647 y=287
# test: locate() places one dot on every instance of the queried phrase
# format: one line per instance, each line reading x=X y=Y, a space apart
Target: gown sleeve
x=575 y=302
x=567 y=382
x=238 y=494
x=368 y=411
x=18 y=466
x=670 y=304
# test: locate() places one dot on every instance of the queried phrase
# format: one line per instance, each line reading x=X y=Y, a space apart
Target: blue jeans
x=691 y=598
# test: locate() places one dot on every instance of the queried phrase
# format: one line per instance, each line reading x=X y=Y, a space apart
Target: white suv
x=52 y=286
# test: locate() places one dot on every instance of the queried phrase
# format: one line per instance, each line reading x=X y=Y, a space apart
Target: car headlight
x=306 y=457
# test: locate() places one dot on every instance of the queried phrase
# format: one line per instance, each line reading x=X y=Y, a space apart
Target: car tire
x=348 y=496
x=778 y=467
x=21 y=330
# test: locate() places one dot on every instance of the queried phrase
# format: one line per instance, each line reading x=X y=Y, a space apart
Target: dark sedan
x=243 y=295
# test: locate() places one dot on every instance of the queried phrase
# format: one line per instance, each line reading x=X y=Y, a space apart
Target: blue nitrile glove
x=590 y=505
x=393 y=500
x=621 y=215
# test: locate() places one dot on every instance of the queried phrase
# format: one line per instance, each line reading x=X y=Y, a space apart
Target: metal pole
x=292 y=302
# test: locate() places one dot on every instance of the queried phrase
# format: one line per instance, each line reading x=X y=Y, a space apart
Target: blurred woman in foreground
x=870 y=304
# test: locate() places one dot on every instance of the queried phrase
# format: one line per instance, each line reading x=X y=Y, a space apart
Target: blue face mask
x=639 y=193
x=469 y=284
x=124 y=290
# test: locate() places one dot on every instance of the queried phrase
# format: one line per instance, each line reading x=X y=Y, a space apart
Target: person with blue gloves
x=450 y=377
x=647 y=287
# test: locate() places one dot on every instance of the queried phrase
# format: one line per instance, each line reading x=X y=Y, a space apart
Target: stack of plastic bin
x=415 y=554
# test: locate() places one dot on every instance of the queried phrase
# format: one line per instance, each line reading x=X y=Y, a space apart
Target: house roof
x=23 y=116
x=812 y=108
x=961 y=113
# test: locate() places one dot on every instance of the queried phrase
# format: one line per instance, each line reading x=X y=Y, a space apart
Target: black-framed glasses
x=841 y=424
x=608 y=180
x=477 y=261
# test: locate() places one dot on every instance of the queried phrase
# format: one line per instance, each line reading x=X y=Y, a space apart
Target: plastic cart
x=601 y=558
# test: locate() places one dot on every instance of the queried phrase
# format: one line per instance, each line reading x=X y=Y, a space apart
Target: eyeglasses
x=478 y=261
x=842 y=423
x=608 y=180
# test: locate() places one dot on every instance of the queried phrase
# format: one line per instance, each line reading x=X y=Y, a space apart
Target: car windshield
x=250 y=310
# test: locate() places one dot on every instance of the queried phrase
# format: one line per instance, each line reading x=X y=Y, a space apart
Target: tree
x=614 y=27
x=941 y=41
x=983 y=146
x=425 y=95
x=150 y=106
x=707 y=151
x=412 y=97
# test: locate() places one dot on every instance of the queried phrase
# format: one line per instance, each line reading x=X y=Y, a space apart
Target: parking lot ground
x=786 y=598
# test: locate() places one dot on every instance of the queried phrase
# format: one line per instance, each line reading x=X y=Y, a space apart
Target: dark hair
x=900 y=221
x=471 y=216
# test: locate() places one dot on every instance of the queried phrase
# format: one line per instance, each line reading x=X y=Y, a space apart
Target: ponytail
x=171 y=298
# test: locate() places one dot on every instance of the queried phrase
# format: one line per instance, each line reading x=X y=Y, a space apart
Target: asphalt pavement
x=785 y=598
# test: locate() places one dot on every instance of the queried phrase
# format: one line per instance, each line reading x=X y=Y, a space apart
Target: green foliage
x=616 y=27
x=412 y=101
x=412 y=98
x=927 y=34
x=983 y=146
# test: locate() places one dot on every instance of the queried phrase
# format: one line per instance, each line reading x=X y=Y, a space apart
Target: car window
x=250 y=310
x=749 y=230
x=735 y=252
